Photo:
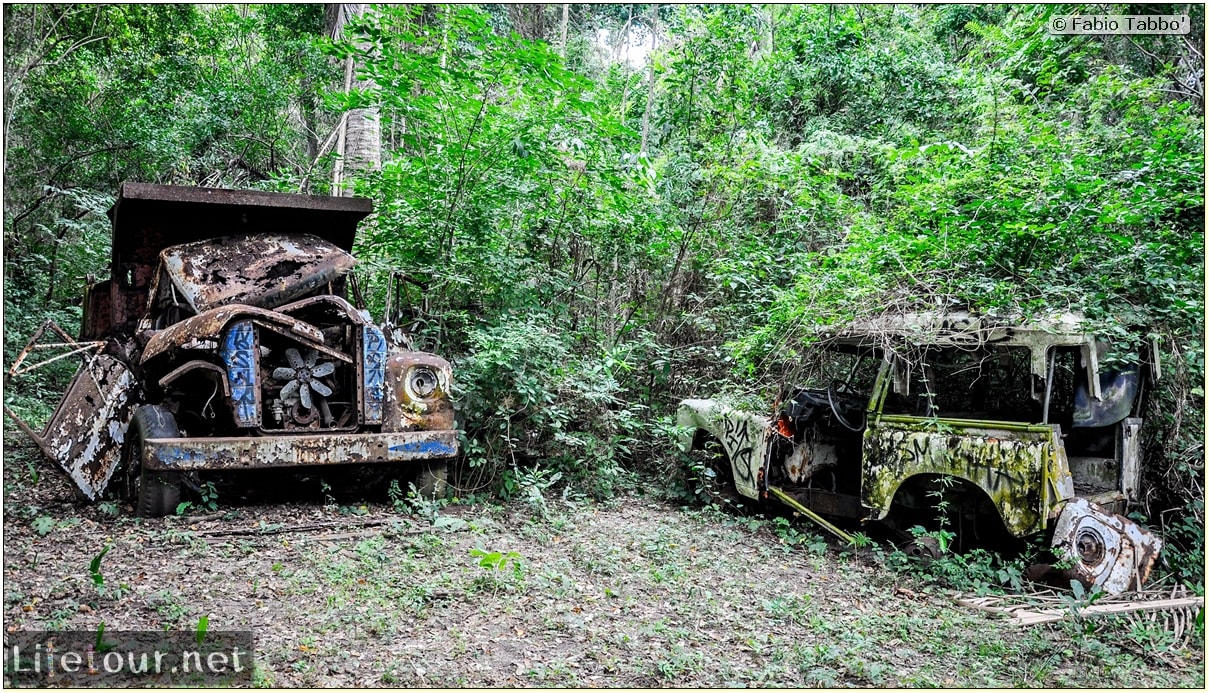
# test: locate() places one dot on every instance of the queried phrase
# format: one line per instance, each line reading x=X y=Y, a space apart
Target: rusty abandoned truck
x=984 y=428
x=223 y=340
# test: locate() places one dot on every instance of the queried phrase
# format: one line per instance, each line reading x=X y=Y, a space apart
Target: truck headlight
x=422 y=381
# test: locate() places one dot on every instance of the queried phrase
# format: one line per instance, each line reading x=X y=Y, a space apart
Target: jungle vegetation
x=602 y=209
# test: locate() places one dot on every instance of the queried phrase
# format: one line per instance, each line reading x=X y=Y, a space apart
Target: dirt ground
x=633 y=593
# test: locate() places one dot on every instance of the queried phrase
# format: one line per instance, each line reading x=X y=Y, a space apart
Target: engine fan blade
x=289 y=392
x=294 y=358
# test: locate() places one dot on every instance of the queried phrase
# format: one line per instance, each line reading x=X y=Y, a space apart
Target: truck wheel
x=432 y=480
x=154 y=494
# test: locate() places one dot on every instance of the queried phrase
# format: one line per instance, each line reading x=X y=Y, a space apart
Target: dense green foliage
x=586 y=261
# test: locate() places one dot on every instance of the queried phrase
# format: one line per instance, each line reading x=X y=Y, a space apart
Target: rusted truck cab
x=225 y=340
x=988 y=429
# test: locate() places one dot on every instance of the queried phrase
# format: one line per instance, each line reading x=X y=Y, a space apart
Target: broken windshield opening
x=855 y=370
x=991 y=384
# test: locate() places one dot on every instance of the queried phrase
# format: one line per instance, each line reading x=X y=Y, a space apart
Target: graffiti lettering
x=993 y=464
x=737 y=440
x=989 y=463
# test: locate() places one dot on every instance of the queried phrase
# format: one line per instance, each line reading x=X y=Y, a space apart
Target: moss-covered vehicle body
x=224 y=339
x=986 y=428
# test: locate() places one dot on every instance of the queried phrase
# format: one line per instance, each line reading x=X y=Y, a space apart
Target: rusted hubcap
x=1090 y=547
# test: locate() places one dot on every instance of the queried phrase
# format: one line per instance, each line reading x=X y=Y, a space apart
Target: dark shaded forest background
x=591 y=238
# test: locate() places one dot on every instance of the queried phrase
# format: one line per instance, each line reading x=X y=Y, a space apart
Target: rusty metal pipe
x=818 y=519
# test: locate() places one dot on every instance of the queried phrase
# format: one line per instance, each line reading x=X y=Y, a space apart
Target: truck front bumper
x=186 y=454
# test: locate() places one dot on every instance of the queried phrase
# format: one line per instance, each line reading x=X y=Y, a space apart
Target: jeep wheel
x=154 y=494
x=711 y=474
x=432 y=480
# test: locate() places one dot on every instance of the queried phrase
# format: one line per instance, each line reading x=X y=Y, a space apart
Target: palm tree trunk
x=650 y=93
x=359 y=146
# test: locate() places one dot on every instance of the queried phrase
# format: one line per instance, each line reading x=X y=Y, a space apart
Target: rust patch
x=84 y=436
x=336 y=309
x=264 y=270
x=209 y=326
x=1106 y=550
x=420 y=383
x=297 y=450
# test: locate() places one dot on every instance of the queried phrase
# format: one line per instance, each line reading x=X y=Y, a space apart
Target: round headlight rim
x=413 y=381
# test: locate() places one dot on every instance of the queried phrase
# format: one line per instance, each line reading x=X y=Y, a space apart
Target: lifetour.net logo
x=77 y=659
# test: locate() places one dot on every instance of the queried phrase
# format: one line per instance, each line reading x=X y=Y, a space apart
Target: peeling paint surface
x=263 y=270
x=407 y=410
x=85 y=434
x=239 y=356
x=373 y=373
x=1007 y=464
x=209 y=326
x=1105 y=550
x=297 y=450
x=742 y=434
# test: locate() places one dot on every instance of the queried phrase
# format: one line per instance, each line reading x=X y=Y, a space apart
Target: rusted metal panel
x=1009 y=465
x=743 y=436
x=373 y=374
x=239 y=355
x=148 y=218
x=338 y=308
x=97 y=322
x=264 y=270
x=297 y=450
x=419 y=383
x=208 y=326
x=219 y=374
x=1105 y=550
x=84 y=436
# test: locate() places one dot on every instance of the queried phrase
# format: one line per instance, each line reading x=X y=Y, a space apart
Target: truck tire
x=432 y=480
x=154 y=494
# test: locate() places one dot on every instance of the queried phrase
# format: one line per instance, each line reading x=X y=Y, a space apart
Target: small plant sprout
x=94 y=568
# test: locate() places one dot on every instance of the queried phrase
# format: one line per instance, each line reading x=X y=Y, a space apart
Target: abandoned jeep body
x=225 y=341
x=955 y=420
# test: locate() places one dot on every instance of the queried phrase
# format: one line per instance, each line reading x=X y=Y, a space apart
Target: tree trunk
x=650 y=93
x=772 y=29
x=529 y=20
x=625 y=85
x=359 y=146
x=562 y=33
